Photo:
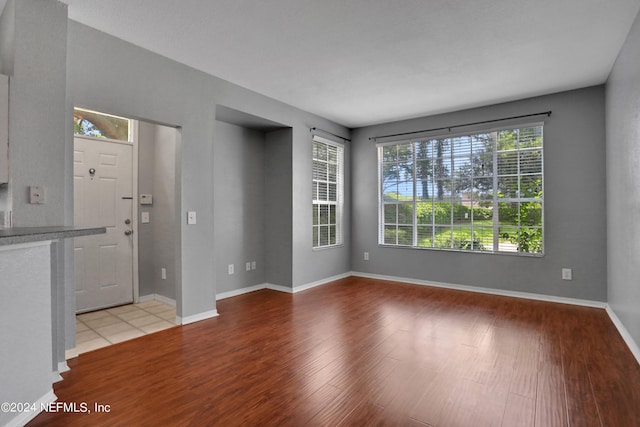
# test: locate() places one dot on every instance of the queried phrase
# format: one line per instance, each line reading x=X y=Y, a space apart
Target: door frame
x=134 y=209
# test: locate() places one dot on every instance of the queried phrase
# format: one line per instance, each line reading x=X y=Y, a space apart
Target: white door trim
x=134 y=210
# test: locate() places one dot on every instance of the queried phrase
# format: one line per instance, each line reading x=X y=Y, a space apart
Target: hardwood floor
x=365 y=352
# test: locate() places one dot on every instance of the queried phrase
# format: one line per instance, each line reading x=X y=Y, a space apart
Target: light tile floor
x=99 y=329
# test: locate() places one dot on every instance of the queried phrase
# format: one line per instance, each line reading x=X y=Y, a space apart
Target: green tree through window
x=99 y=125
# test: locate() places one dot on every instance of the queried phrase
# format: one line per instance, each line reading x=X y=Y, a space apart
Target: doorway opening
x=125 y=179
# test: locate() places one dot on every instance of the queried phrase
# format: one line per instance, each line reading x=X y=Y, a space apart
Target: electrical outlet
x=163 y=273
x=566 y=274
x=253 y=265
x=248 y=266
x=36 y=195
x=366 y=256
x=230 y=268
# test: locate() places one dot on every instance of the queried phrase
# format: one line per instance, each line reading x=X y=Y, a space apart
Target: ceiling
x=361 y=62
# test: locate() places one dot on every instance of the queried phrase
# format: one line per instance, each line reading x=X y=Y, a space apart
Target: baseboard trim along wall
x=62 y=367
x=71 y=353
x=236 y=292
x=196 y=317
x=280 y=288
x=27 y=416
x=515 y=294
x=626 y=336
x=158 y=297
x=321 y=282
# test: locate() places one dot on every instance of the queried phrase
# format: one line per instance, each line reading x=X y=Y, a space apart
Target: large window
x=328 y=170
x=473 y=192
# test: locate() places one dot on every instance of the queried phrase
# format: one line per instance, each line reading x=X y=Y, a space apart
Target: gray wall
x=575 y=212
x=279 y=208
x=37 y=129
x=157 y=239
x=623 y=184
x=129 y=81
x=326 y=262
x=7 y=38
x=25 y=316
x=239 y=204
x=34 y=52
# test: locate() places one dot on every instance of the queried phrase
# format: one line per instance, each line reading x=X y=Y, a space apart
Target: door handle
x=128 y=232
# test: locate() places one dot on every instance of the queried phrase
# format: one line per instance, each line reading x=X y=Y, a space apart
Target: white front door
x=103 y=189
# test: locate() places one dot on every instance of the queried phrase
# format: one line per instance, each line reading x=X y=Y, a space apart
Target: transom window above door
x=101 y=125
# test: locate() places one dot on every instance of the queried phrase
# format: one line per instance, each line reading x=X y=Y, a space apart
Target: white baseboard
x=515 y=294
x=281 y=288
x=63 y=367
x=157 y=297
x=196 y=317
x=71 y=353
x=145 y=298
x=278 y=288
x=237 y=292
x=24 y=417
x=321 y=282
x=626 y=336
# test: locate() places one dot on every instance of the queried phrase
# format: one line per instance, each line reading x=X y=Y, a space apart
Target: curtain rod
x=329 y=133
x=544 y=113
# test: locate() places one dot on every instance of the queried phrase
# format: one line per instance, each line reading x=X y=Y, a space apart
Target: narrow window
x=328 y=182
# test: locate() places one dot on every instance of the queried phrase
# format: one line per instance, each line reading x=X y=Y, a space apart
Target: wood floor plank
x=525 y=371
x=365 y=352
x=551 y=405
x=520 y=411
x=440 y=391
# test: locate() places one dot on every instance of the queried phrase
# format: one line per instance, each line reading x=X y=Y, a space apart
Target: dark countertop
x=16 y=235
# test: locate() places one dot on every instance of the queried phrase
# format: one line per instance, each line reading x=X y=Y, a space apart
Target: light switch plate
x=144 y=217
x=191 y=217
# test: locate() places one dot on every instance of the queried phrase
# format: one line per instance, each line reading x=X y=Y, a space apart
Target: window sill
x=518 y=254
x=324 y=248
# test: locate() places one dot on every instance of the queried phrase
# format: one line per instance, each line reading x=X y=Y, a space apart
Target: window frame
x=316 y=203
x=496 y=199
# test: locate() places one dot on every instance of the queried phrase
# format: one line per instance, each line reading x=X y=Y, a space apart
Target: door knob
x=127 y=221
x=128 y=233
